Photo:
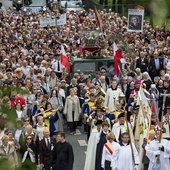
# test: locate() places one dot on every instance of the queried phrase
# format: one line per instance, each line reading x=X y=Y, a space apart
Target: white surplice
x=117 y=127
x=112 y=97
x=125 y=159
x=91 y=150
x=152 y=151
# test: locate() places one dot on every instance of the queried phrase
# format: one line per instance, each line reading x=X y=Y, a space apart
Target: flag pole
x=133 y=157
x=99 y=21
x=147 y=137
x=163 y=108
x=149 y=126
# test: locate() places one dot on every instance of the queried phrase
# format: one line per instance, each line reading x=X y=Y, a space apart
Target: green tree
x=157 y=10
x=7 y=113
x=113 y=5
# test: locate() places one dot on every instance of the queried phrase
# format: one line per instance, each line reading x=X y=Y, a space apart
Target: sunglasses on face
x=29 y=138
x=26 y=120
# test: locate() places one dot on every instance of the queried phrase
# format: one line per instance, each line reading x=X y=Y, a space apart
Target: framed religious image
x=135 y=20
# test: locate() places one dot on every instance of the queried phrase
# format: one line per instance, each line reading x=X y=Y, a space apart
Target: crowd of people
x=38 y=97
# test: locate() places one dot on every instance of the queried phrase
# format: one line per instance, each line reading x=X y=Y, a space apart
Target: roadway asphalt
x=79 y=143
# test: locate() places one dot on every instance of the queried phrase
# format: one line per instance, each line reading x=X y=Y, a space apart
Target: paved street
x=79 y=144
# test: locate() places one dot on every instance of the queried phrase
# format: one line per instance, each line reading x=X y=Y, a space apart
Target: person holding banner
x=128 y=158
x=110 y=153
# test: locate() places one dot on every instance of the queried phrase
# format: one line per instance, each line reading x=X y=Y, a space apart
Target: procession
x=93 y=70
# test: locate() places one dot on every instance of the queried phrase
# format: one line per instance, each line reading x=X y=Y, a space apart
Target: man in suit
x=46 y=147
x=155 y=65
x=142 y=62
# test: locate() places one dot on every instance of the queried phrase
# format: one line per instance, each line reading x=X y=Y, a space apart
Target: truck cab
x=91 y=64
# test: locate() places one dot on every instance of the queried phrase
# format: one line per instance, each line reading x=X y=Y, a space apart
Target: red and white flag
x=153 y=106
x=117 y=57
x=64 y=59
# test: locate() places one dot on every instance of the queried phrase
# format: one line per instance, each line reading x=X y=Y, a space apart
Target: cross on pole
x=164 y=95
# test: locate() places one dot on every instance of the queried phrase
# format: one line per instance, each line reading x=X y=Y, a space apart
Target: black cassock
x=99 y=151
x=63 y=156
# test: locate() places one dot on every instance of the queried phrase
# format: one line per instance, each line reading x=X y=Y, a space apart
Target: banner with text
x=61 y=20
x=52 y=21
x=47 y=21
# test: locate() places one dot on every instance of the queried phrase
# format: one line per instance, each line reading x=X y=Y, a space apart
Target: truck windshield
x=71 y=4
x=84 y=67
x=36 y=3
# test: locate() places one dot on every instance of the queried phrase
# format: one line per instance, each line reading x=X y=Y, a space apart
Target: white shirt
x=19 y=114
x=17 y=134
x=62 y=93
x=112 y=157
x=55 y=66
x=46 y=140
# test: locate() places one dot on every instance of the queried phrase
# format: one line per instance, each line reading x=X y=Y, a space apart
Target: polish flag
x=153 y=109
x=64 y=59
x=153 y=106
x=117 y=57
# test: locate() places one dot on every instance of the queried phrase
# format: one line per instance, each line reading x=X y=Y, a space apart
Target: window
x=84 y=67
x=34 y=3
x=108 y=65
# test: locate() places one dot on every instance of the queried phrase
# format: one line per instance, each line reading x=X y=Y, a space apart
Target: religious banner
x=47 y=21
x=135 y=20
x=61 y=20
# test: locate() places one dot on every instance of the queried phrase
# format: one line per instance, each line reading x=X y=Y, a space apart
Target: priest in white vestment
x=91 y=147
x=112 y=96
x=158 y=152
x=128 y=158
x=121 y=127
